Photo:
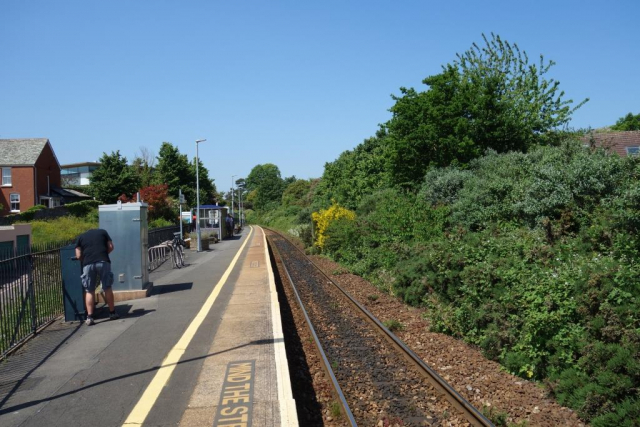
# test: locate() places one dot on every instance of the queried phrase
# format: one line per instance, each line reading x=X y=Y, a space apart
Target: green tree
x=267 y=183
x=113 y=178
x=295 y=194
x=489 y=97
x=143 y=165
x=208 y=191
x=355 y=174
x=289 y=180
x=175 y=170
x=628 y=122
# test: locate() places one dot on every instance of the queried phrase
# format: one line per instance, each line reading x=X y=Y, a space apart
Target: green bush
x=83 y=208
x=160 y=222
x=545 y=183
x=59 y=229
x=532 y=257
x=342 y=234
x=442 y=185
x=29 y=214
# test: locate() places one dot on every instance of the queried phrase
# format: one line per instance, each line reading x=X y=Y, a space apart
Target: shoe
x=89 y=321
x=113 y=316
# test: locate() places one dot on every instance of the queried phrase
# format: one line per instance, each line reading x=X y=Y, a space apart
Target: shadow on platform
x=120 y=377
x=172 y=287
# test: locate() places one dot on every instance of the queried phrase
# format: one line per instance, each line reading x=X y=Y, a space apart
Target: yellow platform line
x=140 y=412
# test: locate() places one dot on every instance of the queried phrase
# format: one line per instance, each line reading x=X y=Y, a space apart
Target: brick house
x=29 y=173
x=623 y=143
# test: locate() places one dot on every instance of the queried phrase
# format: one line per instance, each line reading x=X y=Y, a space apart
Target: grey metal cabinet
x=126 y=223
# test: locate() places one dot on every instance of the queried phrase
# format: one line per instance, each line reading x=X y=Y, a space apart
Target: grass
x=497 y=417
x=339 y=271
x=372 y=297
x=393 y=325
x=335 y=409
x=63 y=228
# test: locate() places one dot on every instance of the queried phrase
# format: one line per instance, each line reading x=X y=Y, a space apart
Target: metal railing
x=159 y=235
x=158 y=255
x=30 y=293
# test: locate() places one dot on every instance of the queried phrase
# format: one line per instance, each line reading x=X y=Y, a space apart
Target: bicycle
x=177 y=250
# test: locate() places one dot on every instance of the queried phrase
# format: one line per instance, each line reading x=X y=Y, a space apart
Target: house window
x=6 y=176
x=15 y=202
x=633 y=151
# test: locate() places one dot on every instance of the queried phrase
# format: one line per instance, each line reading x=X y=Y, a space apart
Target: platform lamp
x=240 y=207
x=233 y=187
x=199 y=247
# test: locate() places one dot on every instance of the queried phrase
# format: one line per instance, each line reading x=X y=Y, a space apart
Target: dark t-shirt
x=94 y=246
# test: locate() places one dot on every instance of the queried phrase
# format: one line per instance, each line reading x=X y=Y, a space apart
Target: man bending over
x=93 y=249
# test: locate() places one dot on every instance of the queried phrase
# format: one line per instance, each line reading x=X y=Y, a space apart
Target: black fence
x=159 y=235
x=30 y=293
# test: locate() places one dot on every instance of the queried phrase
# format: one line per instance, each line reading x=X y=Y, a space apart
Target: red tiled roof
x=616 y=142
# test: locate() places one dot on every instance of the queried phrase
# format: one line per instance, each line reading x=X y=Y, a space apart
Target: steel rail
x=471 y=413
x=325 y=362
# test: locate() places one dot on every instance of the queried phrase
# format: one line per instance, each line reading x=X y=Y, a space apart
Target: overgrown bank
x=532 y=257
x=475 y=202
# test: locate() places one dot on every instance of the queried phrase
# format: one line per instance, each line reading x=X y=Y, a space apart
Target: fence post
x=32 y=296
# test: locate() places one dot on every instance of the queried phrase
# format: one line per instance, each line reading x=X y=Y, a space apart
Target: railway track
x=376 y=378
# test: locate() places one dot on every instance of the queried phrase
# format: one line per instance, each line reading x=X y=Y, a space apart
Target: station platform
x=206 y=348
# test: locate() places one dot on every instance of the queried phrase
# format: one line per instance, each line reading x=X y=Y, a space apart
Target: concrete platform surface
x=206 y=348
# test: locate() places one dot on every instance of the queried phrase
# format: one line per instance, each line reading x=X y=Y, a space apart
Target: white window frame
x=6 y=184
x=633 y=151
x=12 y=202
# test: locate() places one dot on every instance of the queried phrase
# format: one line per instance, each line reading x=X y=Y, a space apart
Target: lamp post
x=240 y=206
x=232 y=195
x=198 y=196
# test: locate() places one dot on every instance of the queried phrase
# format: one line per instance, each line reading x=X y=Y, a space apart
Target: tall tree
x=241 y=191
x=267 y=183
x=144 y=165
x=113 y=178
x=628 y=122
x=208 y=191
x=295 y=194
x=489 y=97
x=354 y=174
x=175 y=170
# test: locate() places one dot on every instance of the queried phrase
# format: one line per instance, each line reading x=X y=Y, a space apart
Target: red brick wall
x=21 y=183
x=47 y=166
x=22 y=178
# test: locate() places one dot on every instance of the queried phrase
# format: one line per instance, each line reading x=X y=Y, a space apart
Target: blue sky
x=293 y=83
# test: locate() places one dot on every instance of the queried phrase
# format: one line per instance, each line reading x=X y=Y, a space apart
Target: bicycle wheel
x=181 y=254
x=176 y=257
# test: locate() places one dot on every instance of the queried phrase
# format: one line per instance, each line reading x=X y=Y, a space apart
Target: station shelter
x=213 y=218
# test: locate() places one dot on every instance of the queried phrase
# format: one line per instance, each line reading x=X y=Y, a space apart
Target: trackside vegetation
x=476 y=203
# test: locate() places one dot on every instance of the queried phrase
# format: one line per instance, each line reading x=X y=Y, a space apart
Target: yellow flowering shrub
x=325 y=217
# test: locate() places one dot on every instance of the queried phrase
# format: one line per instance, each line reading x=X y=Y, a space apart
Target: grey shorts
x=91 y=272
